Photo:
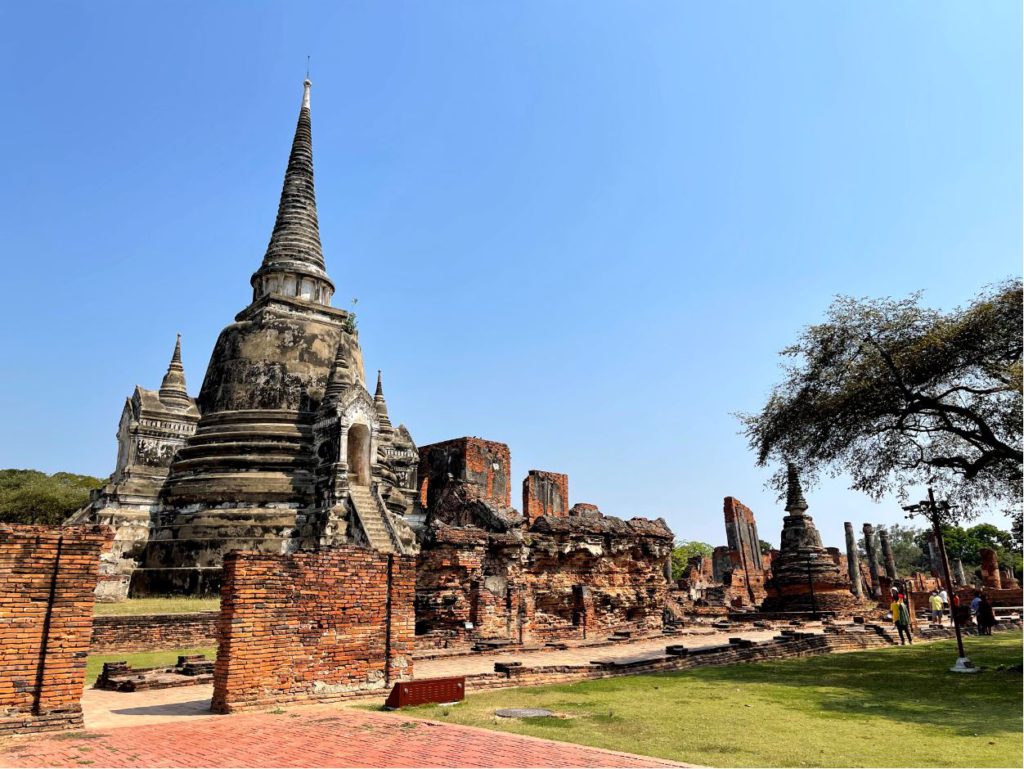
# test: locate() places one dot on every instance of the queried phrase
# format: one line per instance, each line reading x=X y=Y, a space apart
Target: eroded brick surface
x=46 y=602
x=312 y=626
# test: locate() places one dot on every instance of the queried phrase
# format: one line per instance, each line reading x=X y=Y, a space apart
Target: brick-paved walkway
x=311 y=736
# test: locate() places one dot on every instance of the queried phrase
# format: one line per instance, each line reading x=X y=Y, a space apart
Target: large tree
x=898 y=396
x=29 y=496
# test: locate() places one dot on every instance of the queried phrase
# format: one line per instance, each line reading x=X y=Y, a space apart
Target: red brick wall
x=486 y=464
x=152 y=632
x=545 y=493
x=48 y=577
x=312 y=626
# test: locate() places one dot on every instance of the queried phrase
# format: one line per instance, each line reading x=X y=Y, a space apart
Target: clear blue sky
x=581 y=228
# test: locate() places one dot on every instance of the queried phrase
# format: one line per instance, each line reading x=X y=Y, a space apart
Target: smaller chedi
x=805 y=576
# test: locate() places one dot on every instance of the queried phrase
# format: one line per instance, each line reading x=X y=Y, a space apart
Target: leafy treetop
x=900 y=396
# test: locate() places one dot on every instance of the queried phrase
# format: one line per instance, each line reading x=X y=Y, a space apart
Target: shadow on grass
x=905 y=684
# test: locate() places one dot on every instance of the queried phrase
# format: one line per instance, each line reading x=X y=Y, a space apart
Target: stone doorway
x=358 y=458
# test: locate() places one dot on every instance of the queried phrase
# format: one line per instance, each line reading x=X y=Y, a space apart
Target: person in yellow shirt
x=901 y=618
x=935 y=602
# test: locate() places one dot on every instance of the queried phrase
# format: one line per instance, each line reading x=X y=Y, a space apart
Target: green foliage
x=29 y=496
x=900 y=396
x=350 y=324
x=766 y=547
x=965 y=543
x=910 y=546
x=887 y=707
x=685 y=550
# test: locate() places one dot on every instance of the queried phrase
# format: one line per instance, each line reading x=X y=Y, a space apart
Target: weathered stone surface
x=261 y=460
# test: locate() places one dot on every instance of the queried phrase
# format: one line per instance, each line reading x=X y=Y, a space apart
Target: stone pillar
x=890 y=562
x=869 y=548
x=990 y=569
x=853 y=561
x=933 y=556
x=958 y=572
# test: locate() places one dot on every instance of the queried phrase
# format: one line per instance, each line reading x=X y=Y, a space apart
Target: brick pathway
x=310 y=736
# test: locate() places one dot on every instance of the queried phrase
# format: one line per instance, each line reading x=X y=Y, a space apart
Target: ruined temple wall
x=48 y=577
x=545 y=493
x=585 y=584
x=312 y=626
x=740 y=566
x=485 y=464
x=572 y=583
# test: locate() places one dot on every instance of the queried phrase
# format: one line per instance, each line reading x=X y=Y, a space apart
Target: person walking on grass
x=901 y=618
x=935 y=602
x=986 y=616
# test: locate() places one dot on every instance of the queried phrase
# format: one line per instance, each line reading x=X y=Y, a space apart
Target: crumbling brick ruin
x=49 y=578
x=990 y=576
x=285 y=451
x=746 y=572
x=312 y=626
x=485 y=571
x=545 y=494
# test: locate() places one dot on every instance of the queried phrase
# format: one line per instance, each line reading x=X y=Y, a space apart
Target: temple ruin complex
x=285 y=450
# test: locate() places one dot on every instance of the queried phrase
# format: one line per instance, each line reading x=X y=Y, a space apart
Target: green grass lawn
x=170 y=605
x=94 y=664
x=885 y=708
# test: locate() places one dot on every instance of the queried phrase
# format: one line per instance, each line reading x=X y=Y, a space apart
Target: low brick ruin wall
x=312 y=626
x=154 y=632
x=48 y=580
x=873 y=637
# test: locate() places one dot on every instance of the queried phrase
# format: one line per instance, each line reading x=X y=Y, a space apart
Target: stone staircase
x=372 y=519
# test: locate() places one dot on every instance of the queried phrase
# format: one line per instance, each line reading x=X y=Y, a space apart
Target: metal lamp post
x=933 y=511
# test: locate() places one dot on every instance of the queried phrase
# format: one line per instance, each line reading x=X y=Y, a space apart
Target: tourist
x=986 y=617
x=945 y=600
x=935 y=602
x=975 y=603
x=901 y=618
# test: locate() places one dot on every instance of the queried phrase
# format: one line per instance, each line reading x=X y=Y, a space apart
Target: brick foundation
x=153 y=632
x=312 y=626
x=48 y=580
x=836 y=641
